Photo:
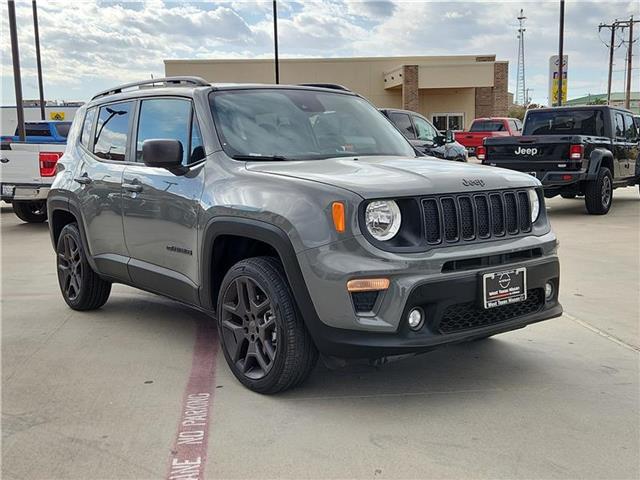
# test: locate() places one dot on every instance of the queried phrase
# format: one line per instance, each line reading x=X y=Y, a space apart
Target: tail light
x=576 y=152
x=48 y=161
x=481 y=152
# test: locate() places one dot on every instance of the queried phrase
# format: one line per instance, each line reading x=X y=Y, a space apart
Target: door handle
x=4 y=160
x=132 y=187
x=83 y=180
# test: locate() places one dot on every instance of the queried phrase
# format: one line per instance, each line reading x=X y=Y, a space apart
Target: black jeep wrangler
x=588 y=151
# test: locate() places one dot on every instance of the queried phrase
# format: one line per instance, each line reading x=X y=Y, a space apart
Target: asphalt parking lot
x=100 y=394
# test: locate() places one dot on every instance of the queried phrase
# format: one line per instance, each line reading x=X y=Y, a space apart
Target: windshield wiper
x=264 y=158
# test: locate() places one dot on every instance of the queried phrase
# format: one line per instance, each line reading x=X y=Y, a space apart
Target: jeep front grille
x=450 y=219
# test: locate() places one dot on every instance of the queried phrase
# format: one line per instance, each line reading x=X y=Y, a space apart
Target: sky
x=92 y=45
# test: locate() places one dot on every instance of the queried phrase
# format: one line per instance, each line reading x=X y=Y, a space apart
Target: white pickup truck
x=26 y=173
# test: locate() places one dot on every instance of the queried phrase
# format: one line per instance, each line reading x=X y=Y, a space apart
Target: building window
x=448 y=121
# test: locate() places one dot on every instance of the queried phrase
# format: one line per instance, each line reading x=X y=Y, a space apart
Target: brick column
x=410 y=92
x=500 y=87
x=484 y=102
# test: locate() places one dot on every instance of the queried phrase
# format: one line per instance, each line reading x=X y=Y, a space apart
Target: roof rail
x=333 y=86
x=165 y=82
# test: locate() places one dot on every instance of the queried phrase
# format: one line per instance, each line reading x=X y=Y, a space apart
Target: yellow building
x=451 y=91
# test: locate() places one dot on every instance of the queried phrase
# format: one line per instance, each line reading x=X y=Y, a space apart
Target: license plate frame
x=504 y=287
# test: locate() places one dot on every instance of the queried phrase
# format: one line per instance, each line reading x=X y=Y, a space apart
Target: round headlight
x=535 y=205
x=383 y=219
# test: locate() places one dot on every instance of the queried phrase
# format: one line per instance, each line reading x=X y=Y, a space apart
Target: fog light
x=415 y=319
x=548 y=290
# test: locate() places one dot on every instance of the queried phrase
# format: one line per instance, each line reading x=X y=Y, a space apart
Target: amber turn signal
x=337 y=209
x=367 y=284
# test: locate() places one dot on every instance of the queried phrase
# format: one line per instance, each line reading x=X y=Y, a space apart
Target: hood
x=379 y=177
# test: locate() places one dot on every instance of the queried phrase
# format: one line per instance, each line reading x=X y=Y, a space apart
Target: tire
x=598 y=194
x=265 y=342
x=568 y=196
x=31 y=212
x=81 y=287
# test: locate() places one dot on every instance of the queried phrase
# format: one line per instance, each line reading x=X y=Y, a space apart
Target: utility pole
x=521 y=88
x=627 y=97
x=275 y=40
x=561 y=53
x=612 y=47
x=38 y=62
x=17 y=79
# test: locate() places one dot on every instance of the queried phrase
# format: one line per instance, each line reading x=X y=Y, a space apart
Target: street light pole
x=561 y=53
x=38 y=62
x=275 y=40
x=15 y=55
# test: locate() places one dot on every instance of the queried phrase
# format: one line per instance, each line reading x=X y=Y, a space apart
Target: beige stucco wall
x=363 y=75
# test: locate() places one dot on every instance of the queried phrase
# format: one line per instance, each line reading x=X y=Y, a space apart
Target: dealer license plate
x=7 y=190
x=504 y=288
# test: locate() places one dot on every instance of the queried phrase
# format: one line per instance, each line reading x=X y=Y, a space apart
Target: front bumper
x=450 y=299
x=23 y=192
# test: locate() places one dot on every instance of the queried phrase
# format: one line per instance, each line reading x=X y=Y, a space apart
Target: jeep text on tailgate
x=574 y=151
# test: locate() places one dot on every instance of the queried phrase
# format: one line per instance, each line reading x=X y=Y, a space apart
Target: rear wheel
x=599 y=193
x=262 y=333
x=81 y=287
x=32 y=211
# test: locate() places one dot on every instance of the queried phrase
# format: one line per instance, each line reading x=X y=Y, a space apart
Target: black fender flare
x=63 y=203
x=271 y=235
x=595 y=160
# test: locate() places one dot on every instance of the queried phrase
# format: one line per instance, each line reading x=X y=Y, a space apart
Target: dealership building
x=449 y=90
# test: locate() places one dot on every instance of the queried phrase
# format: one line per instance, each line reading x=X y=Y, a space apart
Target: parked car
x=482 y=128
x=588 y=151
x=424 y=136
x=26 y=173
x=298 y=237
x=42 y=132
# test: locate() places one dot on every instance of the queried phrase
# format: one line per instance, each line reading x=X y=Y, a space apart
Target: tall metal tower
x=521 y=87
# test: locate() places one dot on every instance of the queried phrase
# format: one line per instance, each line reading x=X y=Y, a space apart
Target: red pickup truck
x=482 y=128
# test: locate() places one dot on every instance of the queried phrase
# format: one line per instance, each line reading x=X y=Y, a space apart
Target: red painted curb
x=189 y=452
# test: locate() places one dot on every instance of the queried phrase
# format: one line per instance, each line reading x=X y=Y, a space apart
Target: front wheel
x=261 y=330
x=598 y=193
x=31 y=211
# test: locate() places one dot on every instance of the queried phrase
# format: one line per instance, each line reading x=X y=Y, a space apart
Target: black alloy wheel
x=81 y=287
x=250 y=330
x=262 y=333
x=69 y=267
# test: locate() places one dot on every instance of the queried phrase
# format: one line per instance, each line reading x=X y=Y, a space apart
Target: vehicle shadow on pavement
x=476 y=367
x=484 y=366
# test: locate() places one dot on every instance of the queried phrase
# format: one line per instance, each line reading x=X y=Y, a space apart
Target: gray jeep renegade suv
x=301 y=219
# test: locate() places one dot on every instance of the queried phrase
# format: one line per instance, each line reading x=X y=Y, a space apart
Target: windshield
x=564 y=122
x=302 y=125
x=487 y=126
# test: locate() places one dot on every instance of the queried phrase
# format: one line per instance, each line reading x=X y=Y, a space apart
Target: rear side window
x=112 y=131
x=564 y=122
x=164 y=118
x=403 y=122
x=487 y=126
x=85 y=135
x=37 y=130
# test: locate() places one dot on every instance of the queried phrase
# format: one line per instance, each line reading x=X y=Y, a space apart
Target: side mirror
x=162 y=153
